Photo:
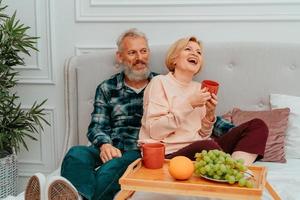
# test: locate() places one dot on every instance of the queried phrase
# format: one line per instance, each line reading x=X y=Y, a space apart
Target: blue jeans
x=80 y=167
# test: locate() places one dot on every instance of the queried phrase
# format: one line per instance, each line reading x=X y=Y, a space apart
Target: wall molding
x=32 y=161
x=44 y=60
x=169 y=11
x=47 y=148
x=27 y=67
x=190 y=2
x=35 y=80
x=85 y=49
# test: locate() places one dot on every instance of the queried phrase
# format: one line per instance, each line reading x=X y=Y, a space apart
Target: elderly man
x=94 y=170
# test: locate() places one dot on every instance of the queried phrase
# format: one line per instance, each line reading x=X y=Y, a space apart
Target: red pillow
x=277 y=122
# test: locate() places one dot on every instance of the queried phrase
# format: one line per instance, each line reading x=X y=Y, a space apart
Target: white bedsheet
x=285 y=178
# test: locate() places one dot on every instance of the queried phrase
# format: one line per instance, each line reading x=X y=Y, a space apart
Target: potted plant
x=16 y=124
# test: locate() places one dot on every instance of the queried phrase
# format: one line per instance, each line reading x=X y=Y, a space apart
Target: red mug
x=212 y=86
x=153 y=155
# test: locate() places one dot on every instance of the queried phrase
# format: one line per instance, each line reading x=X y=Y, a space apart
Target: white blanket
x=285 y=178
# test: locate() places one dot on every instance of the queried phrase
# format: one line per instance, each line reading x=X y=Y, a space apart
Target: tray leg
x=124 y=194
x=272 y=191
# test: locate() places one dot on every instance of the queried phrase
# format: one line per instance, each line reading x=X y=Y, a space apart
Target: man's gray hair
x=133 y=32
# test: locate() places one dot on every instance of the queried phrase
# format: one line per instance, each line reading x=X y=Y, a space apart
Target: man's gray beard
x=135 y=75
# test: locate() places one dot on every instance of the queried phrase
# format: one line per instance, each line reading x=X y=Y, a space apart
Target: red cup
x=212 y=86
x=153 y=155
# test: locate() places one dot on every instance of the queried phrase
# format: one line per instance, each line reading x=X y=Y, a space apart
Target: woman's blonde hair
x=175 y=48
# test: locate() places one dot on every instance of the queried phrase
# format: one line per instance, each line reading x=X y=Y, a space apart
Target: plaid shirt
x=221 y=126
x=117 y=114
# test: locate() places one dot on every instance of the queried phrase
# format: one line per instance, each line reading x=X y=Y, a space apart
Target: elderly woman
x=178 y=113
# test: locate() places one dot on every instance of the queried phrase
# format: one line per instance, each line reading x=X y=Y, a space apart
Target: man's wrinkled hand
x=108 y=152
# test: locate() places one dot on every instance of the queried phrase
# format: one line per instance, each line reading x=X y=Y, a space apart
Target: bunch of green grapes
x=221 y=166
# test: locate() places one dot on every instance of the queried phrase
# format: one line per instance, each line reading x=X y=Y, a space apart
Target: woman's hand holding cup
x=211 y=85
x=211 y=107
x=199 y=98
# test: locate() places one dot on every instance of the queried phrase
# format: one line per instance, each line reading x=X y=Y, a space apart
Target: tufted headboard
x=247 y=73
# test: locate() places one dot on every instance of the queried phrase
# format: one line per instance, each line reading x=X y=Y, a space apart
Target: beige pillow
x=277 y=122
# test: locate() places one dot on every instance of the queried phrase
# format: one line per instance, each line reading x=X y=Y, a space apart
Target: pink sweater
x=169 y=117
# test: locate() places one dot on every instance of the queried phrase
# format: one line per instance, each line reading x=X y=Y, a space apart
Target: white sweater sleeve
x=165 y=114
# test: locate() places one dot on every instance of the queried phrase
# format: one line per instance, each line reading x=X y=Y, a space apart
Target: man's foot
x=60 y=188
x=35 y=187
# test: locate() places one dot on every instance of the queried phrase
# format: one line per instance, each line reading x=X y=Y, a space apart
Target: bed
x=247 y=72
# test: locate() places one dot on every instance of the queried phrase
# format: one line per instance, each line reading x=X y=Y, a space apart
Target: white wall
x=72 y=27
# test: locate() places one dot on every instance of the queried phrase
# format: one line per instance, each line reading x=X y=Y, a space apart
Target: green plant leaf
x=16 y=124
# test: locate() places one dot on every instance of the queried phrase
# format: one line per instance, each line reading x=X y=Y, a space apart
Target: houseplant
x=16 y=124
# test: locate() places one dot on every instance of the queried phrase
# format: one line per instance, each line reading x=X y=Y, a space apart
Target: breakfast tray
x=139 y=178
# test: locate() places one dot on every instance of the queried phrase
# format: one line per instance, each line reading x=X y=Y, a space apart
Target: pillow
x=292 y=142
x=277 y=122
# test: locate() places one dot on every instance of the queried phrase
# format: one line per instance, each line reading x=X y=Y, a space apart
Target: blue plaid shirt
x=221 y=126
x=117 y=114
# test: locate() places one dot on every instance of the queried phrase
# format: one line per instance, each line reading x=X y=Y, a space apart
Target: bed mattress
x=285 y=178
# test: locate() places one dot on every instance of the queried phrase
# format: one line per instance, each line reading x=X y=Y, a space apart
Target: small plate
x=212 y=179
x=247 y=174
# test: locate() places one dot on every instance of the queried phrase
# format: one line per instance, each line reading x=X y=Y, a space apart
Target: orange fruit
x=181 y=168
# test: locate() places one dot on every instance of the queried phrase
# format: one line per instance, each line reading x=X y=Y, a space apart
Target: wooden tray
x=139 y=178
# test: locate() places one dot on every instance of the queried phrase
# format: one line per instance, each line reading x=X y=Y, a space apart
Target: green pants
x=93 y=179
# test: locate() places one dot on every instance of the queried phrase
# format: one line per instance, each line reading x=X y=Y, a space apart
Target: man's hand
x=108 y=152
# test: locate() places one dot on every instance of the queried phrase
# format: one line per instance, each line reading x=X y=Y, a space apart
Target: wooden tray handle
x=125 y=194
x=135 y=165
x=272 y=191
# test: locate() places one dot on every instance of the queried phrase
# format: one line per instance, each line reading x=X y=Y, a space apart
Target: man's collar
x=121 y=79
x=151 y=75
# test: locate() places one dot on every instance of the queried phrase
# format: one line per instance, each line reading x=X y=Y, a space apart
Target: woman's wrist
x=210 y=118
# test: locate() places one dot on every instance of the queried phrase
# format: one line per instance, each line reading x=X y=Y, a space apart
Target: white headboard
x=247 y=73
